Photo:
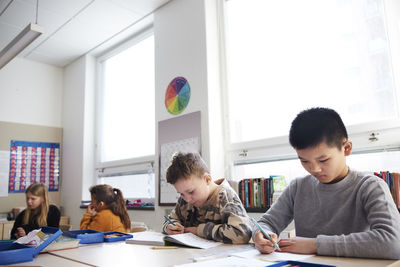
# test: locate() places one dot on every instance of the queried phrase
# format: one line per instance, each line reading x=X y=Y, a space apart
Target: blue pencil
x=168 y=219
x=265 y=234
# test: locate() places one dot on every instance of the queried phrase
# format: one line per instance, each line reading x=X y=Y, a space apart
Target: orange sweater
x=103 y=221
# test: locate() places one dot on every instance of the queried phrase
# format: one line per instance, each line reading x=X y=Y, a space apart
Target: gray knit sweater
x=355 y=217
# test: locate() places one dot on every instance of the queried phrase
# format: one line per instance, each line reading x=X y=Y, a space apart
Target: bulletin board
x=182 y=134
x=33 y=162
x=28 y=133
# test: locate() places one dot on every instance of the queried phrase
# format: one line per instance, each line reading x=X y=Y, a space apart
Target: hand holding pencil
x=264 y=242
x=173 y=228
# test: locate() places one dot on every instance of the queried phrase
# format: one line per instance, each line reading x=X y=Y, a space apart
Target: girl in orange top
x=110 y=208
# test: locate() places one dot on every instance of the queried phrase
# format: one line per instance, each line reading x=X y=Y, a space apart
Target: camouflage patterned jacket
x=221 y=218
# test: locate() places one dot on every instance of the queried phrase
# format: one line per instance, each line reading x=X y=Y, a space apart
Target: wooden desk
x=121 y=254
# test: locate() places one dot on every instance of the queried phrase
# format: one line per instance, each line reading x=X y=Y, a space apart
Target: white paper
x=168 y=193
x=192 y=240
x=4 y=172
x=226 y=262
x=274 y=256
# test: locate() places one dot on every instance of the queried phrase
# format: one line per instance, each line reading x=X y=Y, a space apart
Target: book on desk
x=159 y=239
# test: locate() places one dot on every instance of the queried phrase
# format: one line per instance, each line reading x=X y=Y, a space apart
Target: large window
x=283 y=56
x=126 y=118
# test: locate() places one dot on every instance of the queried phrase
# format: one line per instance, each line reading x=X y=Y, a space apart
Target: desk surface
x=47 y=260
x=121 y=254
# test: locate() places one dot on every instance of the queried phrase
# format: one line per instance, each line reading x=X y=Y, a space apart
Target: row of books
x=393 y=181
x=257 y=194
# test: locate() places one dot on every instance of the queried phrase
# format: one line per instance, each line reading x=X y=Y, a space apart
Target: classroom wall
x=78 y=139
x=31 y=93
x=30 y=110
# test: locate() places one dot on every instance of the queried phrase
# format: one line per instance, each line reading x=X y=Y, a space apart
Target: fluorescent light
x=27 y=36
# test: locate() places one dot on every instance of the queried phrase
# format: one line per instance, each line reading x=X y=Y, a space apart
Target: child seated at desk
x=207 y=208
x=337 y=211
x=38 y=212
x=110 y=208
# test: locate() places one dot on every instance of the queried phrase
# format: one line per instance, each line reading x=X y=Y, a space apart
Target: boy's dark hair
x=316 y=125
x=184 y=165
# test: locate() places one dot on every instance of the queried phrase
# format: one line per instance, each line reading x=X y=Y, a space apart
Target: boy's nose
x=315 y=168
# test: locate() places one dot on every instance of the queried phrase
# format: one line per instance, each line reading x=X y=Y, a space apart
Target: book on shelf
x=159 y=239
x=257 y=194
x=393 y=181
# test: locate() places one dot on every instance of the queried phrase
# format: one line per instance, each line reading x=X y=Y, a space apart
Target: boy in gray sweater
x=337 y=211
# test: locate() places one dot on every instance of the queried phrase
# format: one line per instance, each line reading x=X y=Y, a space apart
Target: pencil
x=265 y=234
x=168 y=219
x=164 y=247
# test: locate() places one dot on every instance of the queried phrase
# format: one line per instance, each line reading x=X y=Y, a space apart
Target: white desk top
x=47 y=260
x=121 y=254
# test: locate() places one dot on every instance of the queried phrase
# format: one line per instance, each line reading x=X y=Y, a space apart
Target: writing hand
x=192 y=230
x=20 y=232
x=263 y=244
x=300 y=245
x=175 y=229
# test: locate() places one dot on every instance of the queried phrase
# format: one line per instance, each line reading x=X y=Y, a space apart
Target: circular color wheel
x=177 y=95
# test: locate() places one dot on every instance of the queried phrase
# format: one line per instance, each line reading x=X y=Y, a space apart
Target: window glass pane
x=284 y=56
x=369 y=162
x=133 y=186
x=128 y=113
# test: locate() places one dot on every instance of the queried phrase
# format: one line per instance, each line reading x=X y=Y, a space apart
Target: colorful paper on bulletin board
x=33 y=162
x=177 y=95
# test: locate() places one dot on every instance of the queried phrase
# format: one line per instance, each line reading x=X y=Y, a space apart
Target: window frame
x=278 y=148
x=135 y=165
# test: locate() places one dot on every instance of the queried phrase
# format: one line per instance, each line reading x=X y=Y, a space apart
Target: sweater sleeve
x=382 y=240
x=280 y=214
x=17 y=223
x=234 y=227
x=53 y=217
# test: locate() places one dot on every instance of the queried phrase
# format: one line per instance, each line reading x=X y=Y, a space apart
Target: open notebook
x=159 y=239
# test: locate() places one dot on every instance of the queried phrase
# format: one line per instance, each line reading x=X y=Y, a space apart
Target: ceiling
x=72 y=28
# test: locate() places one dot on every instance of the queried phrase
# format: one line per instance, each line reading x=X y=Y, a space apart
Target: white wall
x=180 y=50
x=31 y=93
x=77 y=162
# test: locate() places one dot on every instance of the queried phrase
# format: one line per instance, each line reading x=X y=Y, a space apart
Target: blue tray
x=13 y=252
x=86 y=236
x=119 y=236
x=301 y=264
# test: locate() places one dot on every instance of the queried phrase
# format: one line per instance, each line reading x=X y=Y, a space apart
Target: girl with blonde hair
x=38 y=212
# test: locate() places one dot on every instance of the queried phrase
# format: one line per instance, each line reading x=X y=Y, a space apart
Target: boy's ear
x=348 y=146
x=207 y=177
x=101 y=204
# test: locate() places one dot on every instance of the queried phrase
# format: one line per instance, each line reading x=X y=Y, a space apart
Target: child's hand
x=91 y=209
x=300 y=245
x=192 y=230
x=20 y=232
x=263 y=244
x=175 y=229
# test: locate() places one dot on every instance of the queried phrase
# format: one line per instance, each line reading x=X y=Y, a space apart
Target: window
x=126 y=118
x=285 y=56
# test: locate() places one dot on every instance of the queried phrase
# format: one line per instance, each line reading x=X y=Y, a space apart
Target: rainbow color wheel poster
x=177 y=95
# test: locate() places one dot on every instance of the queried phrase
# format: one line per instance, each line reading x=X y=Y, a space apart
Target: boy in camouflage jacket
x=206 y=208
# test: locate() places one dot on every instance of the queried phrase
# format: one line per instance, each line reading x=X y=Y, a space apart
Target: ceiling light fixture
x=19 y=43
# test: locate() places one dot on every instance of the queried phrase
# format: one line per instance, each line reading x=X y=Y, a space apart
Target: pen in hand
x=265 y=234
x=169 y=220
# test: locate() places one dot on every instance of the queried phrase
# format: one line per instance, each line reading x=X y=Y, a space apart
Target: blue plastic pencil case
x=300 y=264
x=116 y=236
x=86 y=236
x=13 y=252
